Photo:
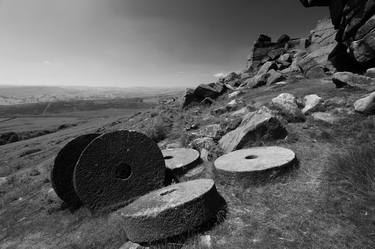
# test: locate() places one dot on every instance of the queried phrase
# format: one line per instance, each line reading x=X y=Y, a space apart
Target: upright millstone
x=171 y=211
x=116 y=168
x=63 y=168
x=180 y=160
x=253 y=165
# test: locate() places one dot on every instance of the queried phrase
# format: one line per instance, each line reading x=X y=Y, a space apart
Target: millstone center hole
x=168 y=192
x=168 y=157
x=251 y=157
x=123 y=171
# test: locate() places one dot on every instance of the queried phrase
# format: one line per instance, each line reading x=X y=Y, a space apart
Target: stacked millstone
x=254 y=165
x=109 y=170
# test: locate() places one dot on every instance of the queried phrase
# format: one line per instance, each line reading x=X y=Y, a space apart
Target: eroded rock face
x=355 y=23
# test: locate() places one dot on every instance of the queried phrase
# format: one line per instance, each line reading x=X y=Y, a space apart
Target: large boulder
x=344 y=79
x=212 y=90
x=256 y=126
x=366 y=105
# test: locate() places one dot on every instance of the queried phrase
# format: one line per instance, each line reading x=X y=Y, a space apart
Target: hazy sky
x=138 y=42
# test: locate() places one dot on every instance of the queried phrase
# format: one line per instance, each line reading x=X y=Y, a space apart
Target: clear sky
x=138 y=42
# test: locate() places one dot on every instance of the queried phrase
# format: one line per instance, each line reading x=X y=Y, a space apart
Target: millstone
x=180 y=159
x=116 y=168
x=253 y=164
x=63 y=168
x=171 y=211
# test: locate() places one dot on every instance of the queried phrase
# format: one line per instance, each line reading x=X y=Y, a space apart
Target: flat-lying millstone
x=180 y=159
x=253 y=164
x=63 y=168
x=171 y=211
x=116 y=168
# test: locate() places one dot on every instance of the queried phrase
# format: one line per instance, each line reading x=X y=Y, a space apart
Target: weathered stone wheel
x=171 y=211
x=253 y=165
x=179 y=160
x=116 y=168
x=63 y=168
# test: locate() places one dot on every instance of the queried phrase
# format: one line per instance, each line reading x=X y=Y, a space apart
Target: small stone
x=366 y=105
x=241 y=112
x=234 y=94
x=325 y=117
x=205 y=242
x=131 y=245
x=203 y=143
x=311 y=103
x=370 y=72
x=344 y=79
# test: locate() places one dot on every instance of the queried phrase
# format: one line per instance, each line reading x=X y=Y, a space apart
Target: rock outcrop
x=354 y=21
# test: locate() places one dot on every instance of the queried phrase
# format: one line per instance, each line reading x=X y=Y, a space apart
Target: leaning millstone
x=172 y=211
x=344 y=79
x=256 y=126
x=312 y=103
x=253 y=165
x=116 y=168
x=63 y=169
x=181 y=159
x=366 y=105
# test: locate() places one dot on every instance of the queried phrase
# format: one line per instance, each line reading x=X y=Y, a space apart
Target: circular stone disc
x=256 y=159
x=63 y=168
x=118 y=167
x=180 y=158
x=171 y=211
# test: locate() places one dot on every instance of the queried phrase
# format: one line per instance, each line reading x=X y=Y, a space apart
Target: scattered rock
x=345 y=79
x=366 y=105
x=171 y=211
x=274 y=77
x=234 y=94
x=256 y=81
x=259 y=125
x=287 y=104
x=312 y=103
x=267 y=67
x=241 y=112
x=207 y=143
x=131 y=245
x=325 y=117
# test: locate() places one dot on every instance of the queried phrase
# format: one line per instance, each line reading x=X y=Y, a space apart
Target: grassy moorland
x=327 y=201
